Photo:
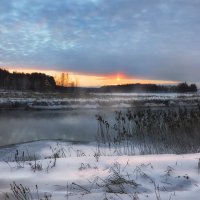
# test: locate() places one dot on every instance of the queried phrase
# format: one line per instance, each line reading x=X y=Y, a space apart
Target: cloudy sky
x=152 y=39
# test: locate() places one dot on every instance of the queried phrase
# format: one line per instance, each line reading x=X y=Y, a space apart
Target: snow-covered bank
x=83 y=172
x=56 y=101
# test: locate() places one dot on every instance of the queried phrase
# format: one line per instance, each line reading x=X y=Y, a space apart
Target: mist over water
x=75 y=124
x=23 y=126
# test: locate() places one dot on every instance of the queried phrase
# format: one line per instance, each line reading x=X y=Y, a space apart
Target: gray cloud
x=154 y=39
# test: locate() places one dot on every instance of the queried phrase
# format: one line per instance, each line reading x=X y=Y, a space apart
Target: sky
x=139 y=39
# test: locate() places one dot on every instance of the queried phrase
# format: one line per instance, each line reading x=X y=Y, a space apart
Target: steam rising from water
x=73 y=119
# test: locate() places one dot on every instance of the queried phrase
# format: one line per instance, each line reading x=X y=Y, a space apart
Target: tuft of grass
x=20 y=192
x=36 y=165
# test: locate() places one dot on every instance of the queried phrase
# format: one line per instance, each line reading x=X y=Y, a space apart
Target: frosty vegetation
x=152 y=131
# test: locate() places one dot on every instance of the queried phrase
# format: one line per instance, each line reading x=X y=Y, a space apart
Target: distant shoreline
x=15 y=100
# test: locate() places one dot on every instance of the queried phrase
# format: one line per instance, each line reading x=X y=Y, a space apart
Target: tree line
x=25 y=81
x=42 y=82
x=180 y=88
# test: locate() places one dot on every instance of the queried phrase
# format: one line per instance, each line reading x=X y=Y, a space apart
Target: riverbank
x=59 y=101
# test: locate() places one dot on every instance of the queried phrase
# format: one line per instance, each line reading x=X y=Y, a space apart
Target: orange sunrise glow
x=94 y=80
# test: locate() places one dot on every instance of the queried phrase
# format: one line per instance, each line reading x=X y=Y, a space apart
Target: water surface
x=22 y=126
x=75 y=121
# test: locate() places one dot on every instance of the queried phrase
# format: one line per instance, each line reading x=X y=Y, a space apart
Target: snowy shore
x=80 y=171
x=56 y=101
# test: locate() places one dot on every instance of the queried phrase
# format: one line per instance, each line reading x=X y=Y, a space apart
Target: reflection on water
x=23 y=126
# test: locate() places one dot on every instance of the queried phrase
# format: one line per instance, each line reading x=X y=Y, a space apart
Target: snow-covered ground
x=35 y=100
x=81 y=171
